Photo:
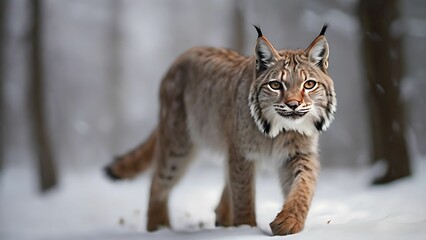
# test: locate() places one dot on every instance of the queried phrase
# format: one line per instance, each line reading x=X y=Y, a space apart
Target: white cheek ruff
x=324 y=116
x=271 y=123
x=304 y=125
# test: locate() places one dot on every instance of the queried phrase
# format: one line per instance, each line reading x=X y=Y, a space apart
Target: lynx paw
x=223 y=216
x=286 y=223
x=158 y=216
x=223 y=221
x=155 y=224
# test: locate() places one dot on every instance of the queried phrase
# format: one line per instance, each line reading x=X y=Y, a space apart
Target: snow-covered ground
x=87 y=206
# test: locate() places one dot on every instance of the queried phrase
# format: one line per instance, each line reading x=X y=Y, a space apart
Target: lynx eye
x=275 y=85
x=309 y=84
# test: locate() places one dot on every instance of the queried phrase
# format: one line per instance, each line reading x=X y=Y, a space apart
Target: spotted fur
x=268 y=108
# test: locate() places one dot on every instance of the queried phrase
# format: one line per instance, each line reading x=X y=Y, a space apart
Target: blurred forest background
x=79 y=79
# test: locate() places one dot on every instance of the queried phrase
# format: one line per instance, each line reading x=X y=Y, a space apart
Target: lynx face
x=291 y=89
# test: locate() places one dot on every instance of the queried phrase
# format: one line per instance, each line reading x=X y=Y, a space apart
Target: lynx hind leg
x=130 y=164
x=171 y=166
x=175 y=152
x=223 y=211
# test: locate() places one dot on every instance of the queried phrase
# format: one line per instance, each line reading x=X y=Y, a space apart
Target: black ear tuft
x=324 y=28
x=259 y=32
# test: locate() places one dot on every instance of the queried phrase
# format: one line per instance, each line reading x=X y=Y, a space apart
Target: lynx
x=269 y=108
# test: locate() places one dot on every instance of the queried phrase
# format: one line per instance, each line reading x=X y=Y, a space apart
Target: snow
x=88 y=206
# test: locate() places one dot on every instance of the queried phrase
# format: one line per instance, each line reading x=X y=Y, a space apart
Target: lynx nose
x=293 y=104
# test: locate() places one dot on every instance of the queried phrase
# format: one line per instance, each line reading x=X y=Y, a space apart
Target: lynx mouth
x=291 y=114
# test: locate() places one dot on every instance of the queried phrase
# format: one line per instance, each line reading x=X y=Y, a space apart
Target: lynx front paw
x=286 y=223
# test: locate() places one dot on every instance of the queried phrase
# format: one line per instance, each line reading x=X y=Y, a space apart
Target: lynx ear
x=317 y=52
x=265 y=53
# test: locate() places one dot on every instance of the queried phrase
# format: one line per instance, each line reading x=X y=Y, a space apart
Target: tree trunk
x=114 y=74
x=383 y=61
x=238 y=27
x=41 y=142
x=2 y=63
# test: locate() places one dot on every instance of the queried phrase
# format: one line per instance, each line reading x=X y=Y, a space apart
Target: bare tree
x=115 y=72
x=41 y=139
x=238 y=27
x=384 y=65
x=2 y=62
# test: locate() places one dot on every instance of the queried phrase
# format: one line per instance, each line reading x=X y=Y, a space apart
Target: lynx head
x=291 y=90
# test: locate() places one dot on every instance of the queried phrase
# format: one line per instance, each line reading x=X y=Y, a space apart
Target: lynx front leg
x=298 y=180
x=241 y=183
